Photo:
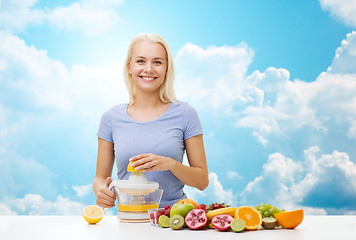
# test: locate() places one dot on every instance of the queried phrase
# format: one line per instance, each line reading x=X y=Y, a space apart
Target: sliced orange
x=250 y=215
x=188 y=201
x=93 y=214
x=290 y=219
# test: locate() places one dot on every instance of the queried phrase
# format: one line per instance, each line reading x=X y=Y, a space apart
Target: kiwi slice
x=269 y=223
x=176 y=222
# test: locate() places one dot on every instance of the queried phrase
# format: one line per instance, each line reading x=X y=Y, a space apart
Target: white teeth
x=148 y=78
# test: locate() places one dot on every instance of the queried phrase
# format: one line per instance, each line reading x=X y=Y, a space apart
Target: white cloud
x=215 y=192
x=90 y=16
x=34 y=92
x=11 y=10
x=83 y=190
x=345 y=56
x=35 y=204
x=6 y=210
x=344 y=10
x=268 y=102
x=317 y=183
x=31 y=74
x=233 y=175
x=214 y=77
x=219 y=193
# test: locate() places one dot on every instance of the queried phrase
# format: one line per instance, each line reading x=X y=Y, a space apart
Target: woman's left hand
x=148 y=162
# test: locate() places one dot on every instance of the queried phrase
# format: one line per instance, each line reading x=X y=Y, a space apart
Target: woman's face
x=148 y=66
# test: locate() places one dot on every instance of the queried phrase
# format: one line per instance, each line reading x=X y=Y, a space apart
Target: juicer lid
x=134 y=188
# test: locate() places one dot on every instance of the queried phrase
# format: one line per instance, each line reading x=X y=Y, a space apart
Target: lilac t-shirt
x=162 y=136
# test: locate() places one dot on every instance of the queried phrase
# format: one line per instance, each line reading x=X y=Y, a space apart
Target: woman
x=153 y=130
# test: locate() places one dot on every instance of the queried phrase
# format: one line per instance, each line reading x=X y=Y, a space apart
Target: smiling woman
x=153 y=130
x=162 y=63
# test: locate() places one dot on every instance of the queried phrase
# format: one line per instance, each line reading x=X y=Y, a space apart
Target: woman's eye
x=140 y=61
x=158 y=62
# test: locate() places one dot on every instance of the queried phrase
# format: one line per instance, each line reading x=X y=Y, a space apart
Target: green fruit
x=238 y=225
x=181 y=209
x=266 y=214
x=176 y=222
x=163 y=221
x=269 y=222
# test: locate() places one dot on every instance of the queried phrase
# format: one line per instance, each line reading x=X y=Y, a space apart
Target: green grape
x=262 y=205
x=273 y=210
x=266 y=214
x=263 y=209
x=268 y=206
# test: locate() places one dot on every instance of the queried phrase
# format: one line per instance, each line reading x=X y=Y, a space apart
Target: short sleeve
x=105 y=127
x=192 y=125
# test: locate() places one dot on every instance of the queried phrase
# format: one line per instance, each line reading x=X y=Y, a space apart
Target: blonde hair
x=166 y=91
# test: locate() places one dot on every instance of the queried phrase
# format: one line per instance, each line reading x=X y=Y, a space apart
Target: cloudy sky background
x=274 y=84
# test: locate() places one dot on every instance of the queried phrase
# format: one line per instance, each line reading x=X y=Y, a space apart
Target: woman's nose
x=148 y=67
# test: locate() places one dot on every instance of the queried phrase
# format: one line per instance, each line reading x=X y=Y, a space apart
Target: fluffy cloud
x=39 y=95
x=90 y=16
x=275 y=107
x=233 y=175
x=47 y=83
x=215 y=192
x=5 y=210
x=11 y=10
x=215 y=77
x=34 y=204
x=268 y=102
x=344 y=10
x=318 y=182
x=345 y=56
x=82 y=190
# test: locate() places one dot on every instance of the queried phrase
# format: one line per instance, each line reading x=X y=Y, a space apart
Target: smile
x=148 y=79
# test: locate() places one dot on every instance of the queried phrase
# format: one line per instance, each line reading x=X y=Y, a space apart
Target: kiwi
x=176 y=222
x=269 y=223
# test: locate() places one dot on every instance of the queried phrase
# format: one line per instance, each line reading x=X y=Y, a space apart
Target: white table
x=74 y=227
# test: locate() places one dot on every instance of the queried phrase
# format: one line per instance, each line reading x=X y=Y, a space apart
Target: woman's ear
x=128 y=68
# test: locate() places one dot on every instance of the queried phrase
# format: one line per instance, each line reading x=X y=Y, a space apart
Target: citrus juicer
x=135 y=196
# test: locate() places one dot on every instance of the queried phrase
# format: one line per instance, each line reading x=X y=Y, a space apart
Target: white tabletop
x=74 y=227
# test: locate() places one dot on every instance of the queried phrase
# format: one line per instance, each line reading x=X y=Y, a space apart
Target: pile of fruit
x=223 y=217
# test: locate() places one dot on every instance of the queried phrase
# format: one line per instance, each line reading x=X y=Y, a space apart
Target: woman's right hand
x=105 y=197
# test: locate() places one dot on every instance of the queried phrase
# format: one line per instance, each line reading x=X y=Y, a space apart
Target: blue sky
x=273 y=82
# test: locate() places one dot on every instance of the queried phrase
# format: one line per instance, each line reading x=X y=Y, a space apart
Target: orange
x=188 y=201
x=250 y=215
x=290 y=219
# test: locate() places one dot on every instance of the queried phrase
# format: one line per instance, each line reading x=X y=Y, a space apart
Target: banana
x=228 y=210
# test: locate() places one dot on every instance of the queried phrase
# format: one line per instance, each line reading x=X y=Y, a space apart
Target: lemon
x=93 y=214
x=131 y=169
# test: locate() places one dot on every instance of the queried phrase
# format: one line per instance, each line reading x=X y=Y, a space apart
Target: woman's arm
x=105 y=162
x=195 y=176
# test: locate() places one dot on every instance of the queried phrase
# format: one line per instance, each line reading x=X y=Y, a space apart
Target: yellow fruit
x=250 y=215
x=131 y=169
x=228 y=210
x=92 y=214
x=290 y=219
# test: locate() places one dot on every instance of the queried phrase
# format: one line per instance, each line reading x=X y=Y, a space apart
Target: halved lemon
x=131 y=169
x=93 y=214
